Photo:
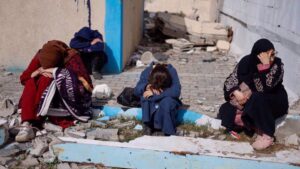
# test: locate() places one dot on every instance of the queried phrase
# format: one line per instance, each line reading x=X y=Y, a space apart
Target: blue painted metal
x=114 y=35
x=184 y=116
x=150 y=159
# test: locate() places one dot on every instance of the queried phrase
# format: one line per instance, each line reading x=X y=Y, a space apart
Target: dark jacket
x=83 y=38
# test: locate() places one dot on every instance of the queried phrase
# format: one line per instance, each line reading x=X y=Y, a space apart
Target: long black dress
x=268 y=101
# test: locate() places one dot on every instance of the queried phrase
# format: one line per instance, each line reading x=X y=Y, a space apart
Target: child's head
x=160 y=77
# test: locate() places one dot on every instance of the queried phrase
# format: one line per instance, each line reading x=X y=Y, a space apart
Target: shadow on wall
x=112 y=65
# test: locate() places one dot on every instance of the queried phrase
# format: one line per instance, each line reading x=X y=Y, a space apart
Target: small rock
x=147 y=58
x=223 y=45
x=5 y=160
x=211 y=48
x=103 y=134
x=70 y=132
x=39 y=147
x=193 y=134
x=49 y=157
x=292 y=140
x=2 y=167
x=113 y=122
x=52 y=127
x=100 y=124
x=63 y=166
x=222 y=137
x=139 y=64
x=138 y=127
x=209 y=59
x=41 y=133
x=74 y=166
x=30 y=161
x=199 y=102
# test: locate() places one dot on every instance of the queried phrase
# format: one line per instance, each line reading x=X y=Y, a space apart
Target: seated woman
x=54 y=67
x=159 y=89
x=255 y=94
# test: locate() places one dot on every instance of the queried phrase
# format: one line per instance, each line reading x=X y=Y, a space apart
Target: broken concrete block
x=7 y=108
x=102 y=91
x=52 y=127
x=49 y=157
x=30 y=162
x=103 y=134
x=63 y=166
x=5 y=160
x=39 y=147
x=74 y=166
x=292 y=140
x=223 y=45
x=70 y=132
x=211 y=48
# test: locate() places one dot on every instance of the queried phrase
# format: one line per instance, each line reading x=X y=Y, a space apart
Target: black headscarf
x=262 y=45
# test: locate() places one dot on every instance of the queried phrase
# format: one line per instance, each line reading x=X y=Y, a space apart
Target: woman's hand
x=47 y=72
x=147 y=94
x=94 y=41
x=157 y=91
x=37 y=72
x=264 y=58
x=240 y=97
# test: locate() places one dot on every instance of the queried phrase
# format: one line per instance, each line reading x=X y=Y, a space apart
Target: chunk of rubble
x=73 y=133
x=292 y=140
x=223 y=45
x=30 y=162
x=63 y=166
x=102 y=91
x=7 y=108
x=40 y=146
x=52 y=127
x=103 y=134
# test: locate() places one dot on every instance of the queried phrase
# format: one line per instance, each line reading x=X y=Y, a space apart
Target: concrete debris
x=39 y=147
x=7 y=108
x=147 y=58
x=14 y=148
x=49 y=157
x=74 y=166
x=96 y=123
x=127 y=124
x=52 y=127
x=103 y=134
x=8 y=73
x=102 y=91
x=211 y=48
x=139 y=64
x=292 y=140
x=223 y=45
x=29 y=162
x=63 y=166
x=180 y=45
x=71 y=132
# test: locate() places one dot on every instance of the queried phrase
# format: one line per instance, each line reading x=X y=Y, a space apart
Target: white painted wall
x=27 y=25
x=276 y=20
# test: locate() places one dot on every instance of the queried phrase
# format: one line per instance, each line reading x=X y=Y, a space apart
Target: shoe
x=262 y=142
x=25 y=134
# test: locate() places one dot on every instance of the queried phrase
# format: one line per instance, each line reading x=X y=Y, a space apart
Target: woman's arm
x=31 y=70
x=142 y=83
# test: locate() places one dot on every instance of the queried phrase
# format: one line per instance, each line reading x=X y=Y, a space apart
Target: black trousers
x=94 y=61
x=260 y=111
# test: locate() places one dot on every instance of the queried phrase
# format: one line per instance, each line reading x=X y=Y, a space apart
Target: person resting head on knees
x=255 y=96
x=54 y=64
x=159 y=89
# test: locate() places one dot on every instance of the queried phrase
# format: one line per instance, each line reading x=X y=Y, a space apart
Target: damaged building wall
x=276 y=20
x=132 y=26
x=205 y=9
x=27 y=25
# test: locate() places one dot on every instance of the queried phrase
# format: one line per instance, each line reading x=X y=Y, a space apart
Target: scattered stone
x=52 y=127
x=49 y=157
x=193 y=134
x=7 y=108
x=30 y=162
x=211 y=48
x=39 y=147
x=292 y=140
x=127 y=124
x=70 y=132
x=63 y=166
x=41 y=133
x=2 y=167
x=14 y=148
x=5 y=160
x=138 y=127
x=183 y=61
x=139 y=64
x=222 y=137
x=223 y=45
x=96 y=123
x=113 y=122
x=74 y=166
x=103 y=134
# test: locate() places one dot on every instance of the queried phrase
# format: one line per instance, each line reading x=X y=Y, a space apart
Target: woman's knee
x=167 y=101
